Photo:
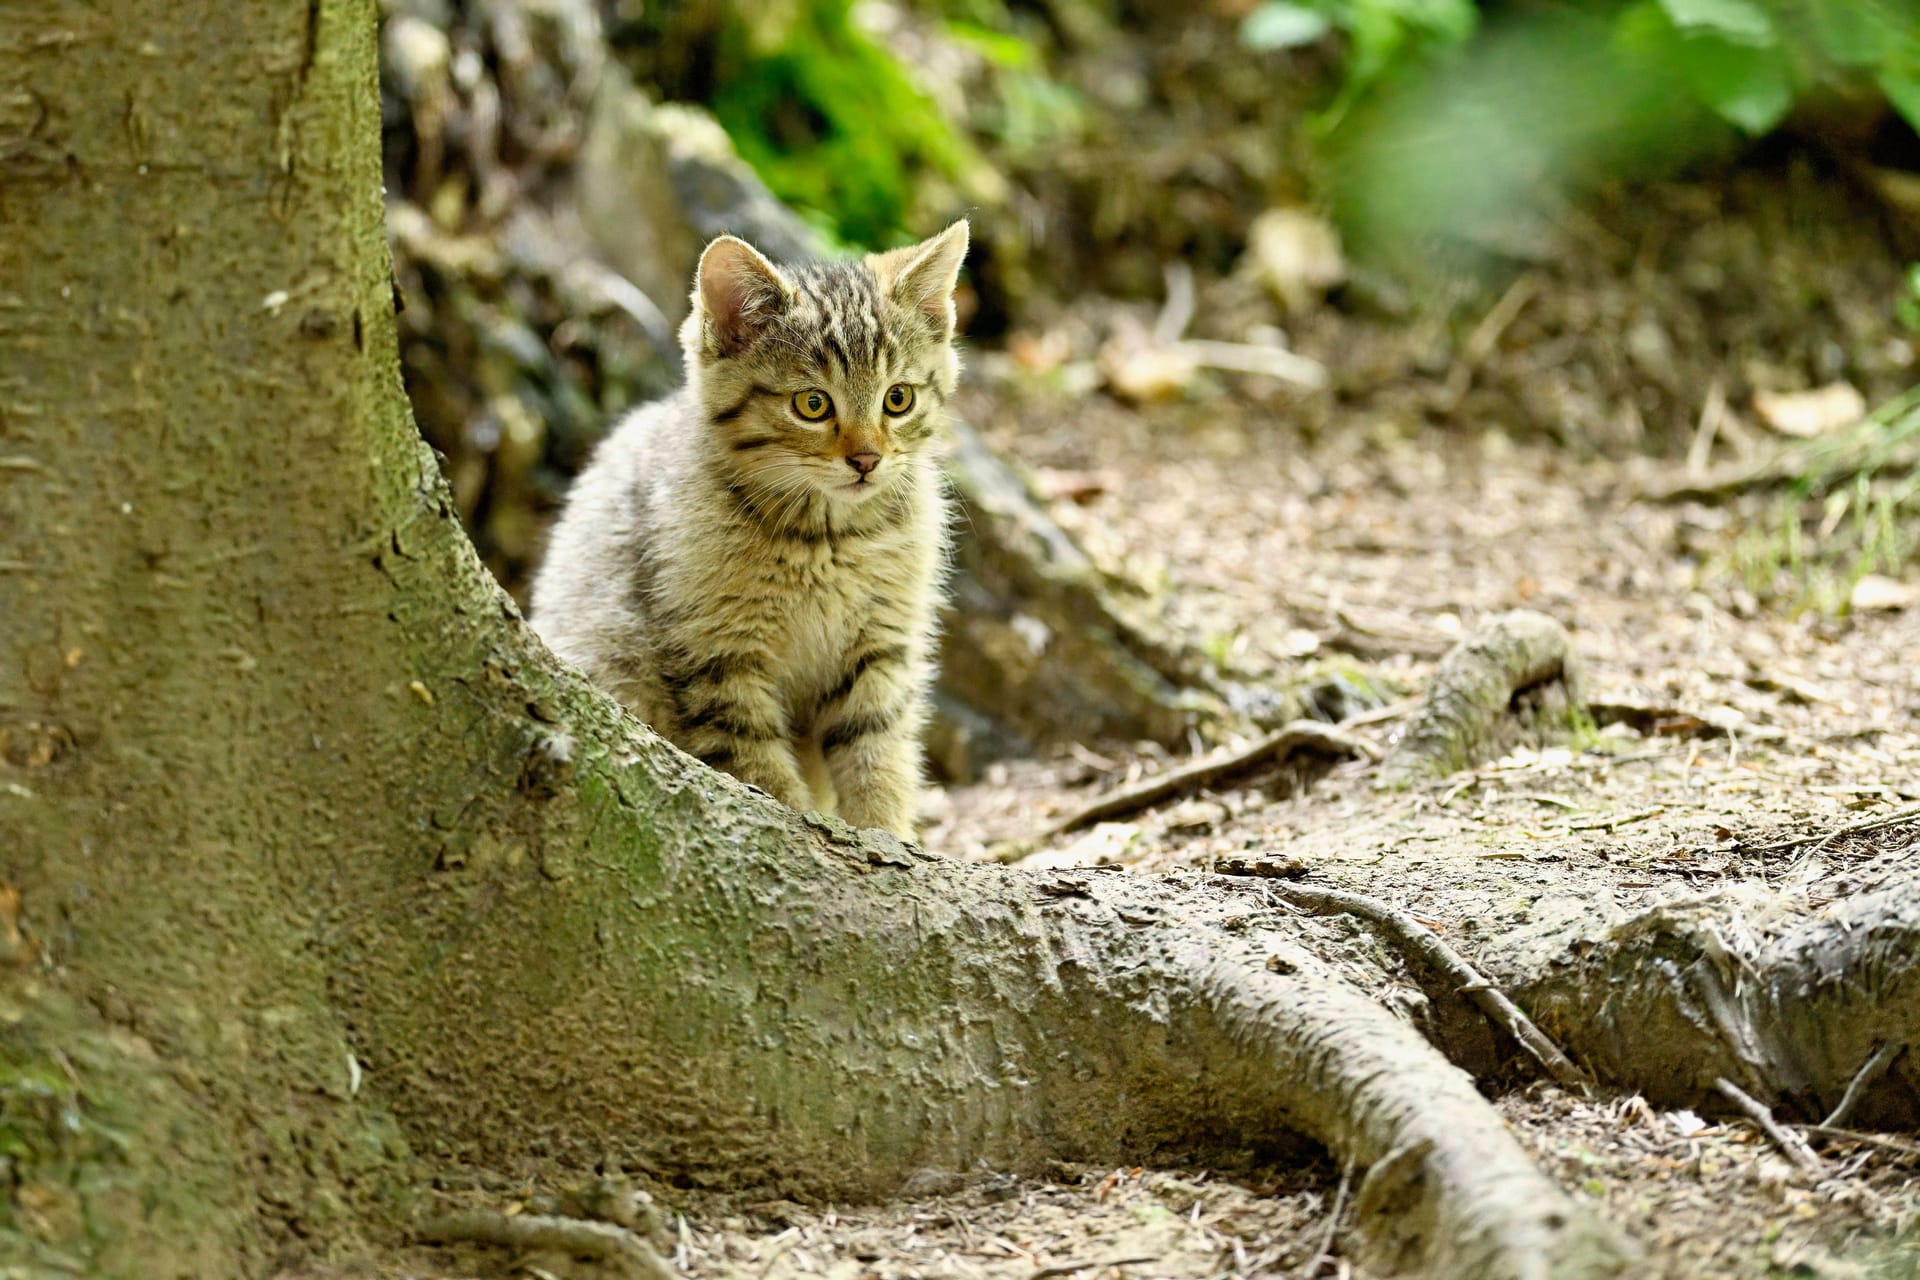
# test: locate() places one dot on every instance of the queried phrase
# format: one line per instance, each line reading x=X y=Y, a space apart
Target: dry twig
x=1876 y=1064
x=1426 y=945
x=1324 y=1253
x=1899 y=1146
x=1300 y=734
x=1787 y=1140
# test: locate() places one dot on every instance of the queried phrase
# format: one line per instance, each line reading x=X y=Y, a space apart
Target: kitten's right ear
x=738 y=291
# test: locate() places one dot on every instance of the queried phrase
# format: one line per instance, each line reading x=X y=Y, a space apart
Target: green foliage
x=832 y=122
x=1028 y=109
x=1750 y=60
x=1469 y=158
x=1447 y=123
x=1381 y=34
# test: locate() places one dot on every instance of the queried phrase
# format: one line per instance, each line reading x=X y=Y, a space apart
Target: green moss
x=107 y=1170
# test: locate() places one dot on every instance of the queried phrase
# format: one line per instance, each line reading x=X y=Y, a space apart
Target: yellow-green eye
x=899 y=398
x=813 y=405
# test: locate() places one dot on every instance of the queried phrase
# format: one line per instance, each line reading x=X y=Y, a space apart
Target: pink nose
x=864 y=463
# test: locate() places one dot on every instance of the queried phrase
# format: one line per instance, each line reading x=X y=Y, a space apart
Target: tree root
x=1681 y=996
x=1427 y=948
x=1465 y=717
x=576 y=1237
x=1300 y=735
x=781 y=1006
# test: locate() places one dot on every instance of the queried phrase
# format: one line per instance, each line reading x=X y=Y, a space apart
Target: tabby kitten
x=752 y=565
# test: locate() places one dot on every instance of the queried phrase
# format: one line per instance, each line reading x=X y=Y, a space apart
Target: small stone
x=1876 y=593
x=1295 y=255
x=1804 y=414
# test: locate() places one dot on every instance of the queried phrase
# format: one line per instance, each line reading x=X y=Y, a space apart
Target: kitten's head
x=823 y=379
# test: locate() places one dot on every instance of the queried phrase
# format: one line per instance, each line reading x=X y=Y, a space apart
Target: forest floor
x=1742 y=746
x=1734 y=725
x=1738 y=725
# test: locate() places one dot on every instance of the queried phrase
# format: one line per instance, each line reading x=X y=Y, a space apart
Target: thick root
x=1793 y=1010
x=1515 y=676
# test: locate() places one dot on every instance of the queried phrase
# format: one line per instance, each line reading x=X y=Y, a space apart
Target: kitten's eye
x=813 y=405
x=899 y=398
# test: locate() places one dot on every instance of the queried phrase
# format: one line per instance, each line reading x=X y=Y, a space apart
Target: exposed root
x=1465 y=717
x=1300 y=735
x=1788 y=1008
x=1410 y=935
x=575 y=1237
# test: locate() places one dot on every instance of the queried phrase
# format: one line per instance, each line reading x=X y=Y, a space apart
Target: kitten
x=752 y=565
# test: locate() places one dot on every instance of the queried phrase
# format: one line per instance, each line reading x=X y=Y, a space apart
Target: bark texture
x=330 y=874
x=1742 y=986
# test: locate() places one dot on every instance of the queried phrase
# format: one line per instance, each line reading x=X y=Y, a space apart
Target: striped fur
x=725 y=572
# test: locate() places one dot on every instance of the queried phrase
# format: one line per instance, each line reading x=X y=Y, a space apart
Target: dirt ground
x=1349 y=538
x=1734 y=725
x=1775 y=726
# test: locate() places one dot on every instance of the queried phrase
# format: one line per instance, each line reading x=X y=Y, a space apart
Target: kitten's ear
x=921 y=277
x=738 y=291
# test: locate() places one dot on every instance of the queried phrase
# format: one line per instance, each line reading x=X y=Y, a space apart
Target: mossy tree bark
x=328 y=872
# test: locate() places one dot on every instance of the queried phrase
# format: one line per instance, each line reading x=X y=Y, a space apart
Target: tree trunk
x=328 y=873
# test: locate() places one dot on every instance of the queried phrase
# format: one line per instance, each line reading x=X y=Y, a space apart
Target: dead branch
x=1410 y=935
x=1787 y=1140
x=575 y=1237
x=1871 y=1070
x=1310 y=735
x=1242 y=357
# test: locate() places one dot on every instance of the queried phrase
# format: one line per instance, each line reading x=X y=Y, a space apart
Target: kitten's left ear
x=921 y=277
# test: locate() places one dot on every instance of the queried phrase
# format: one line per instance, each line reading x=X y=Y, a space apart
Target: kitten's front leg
x=729 y=716
x=870 y=734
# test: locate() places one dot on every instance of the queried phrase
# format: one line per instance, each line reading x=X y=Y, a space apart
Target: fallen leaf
x=1810 y=413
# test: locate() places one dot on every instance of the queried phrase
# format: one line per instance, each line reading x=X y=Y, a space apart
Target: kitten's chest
x=827 y=601
x=806 y=604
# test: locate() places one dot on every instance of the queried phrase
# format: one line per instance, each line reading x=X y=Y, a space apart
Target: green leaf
x=1449 y=21
x=1748 y=85
x=1278 y=25
x=1008 y=52
x=1852 y=34
x=1903 y=91
x=1739 y=20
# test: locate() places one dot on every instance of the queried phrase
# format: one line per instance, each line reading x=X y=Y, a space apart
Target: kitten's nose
x=864 y=463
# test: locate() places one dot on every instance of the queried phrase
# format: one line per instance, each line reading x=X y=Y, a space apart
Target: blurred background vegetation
x=1629 y=226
